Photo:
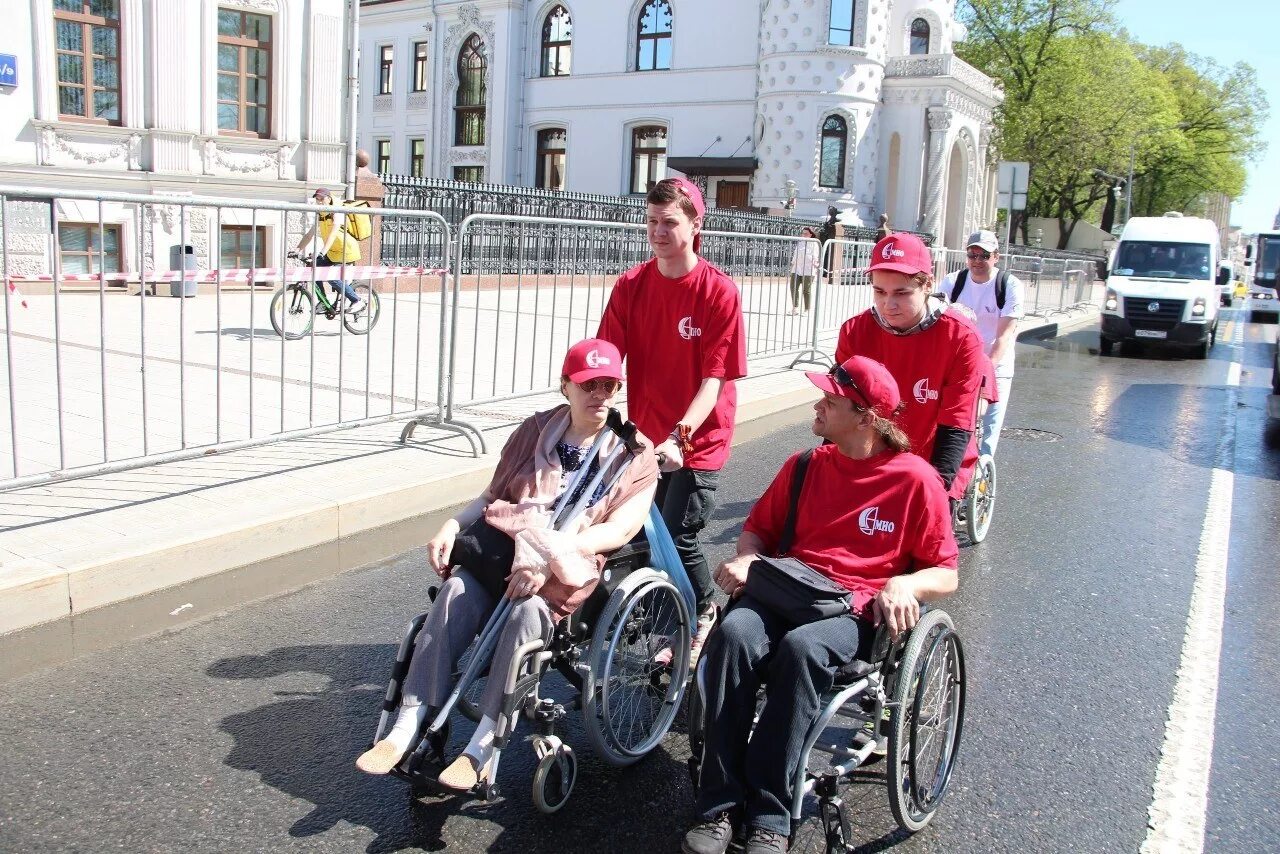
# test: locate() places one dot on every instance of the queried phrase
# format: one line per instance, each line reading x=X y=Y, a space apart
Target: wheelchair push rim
x=630 y=699
x=927 y=721
x=981 y=500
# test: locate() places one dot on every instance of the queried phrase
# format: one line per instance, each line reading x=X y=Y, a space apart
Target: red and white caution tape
x=13 y=289
x=268 y=274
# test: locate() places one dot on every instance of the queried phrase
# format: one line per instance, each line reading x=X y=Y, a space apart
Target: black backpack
x=1002 y=285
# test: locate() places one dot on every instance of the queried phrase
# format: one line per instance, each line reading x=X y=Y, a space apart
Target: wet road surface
x=239 y=732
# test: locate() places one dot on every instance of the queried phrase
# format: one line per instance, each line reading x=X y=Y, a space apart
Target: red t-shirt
x=861 y=522
x=938 y=372
x=673 y=334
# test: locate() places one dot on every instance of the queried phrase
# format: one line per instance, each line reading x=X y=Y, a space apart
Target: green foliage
x=1080 y=98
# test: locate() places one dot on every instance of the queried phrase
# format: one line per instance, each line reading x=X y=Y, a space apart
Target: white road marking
x=1177 y=815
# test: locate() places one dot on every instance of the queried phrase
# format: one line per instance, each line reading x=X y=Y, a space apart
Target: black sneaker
x=709 y=837
x=761 y=841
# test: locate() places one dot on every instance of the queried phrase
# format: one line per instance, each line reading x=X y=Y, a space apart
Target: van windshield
x=1161 y=260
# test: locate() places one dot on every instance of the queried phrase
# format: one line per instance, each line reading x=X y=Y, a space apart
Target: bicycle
x=294 y=307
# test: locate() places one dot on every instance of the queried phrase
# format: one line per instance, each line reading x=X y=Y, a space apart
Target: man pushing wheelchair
x=852 y=535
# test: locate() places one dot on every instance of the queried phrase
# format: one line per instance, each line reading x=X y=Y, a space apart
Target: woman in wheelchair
x=866 y=513
x=932 y=353
x=500 y=545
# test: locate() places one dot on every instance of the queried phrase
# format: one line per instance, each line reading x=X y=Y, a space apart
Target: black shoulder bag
x=789 y=587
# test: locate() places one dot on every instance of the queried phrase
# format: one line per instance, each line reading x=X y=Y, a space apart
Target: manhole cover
x=1029 y=434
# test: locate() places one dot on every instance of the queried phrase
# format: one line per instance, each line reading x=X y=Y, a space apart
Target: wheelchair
x=972 y=513
x=607 y=650
x=905 y=700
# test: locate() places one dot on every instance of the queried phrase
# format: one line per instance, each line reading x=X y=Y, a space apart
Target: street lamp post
x=1133 y=147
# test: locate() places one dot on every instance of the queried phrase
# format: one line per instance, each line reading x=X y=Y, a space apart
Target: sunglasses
x=978 y=256
x=604 y=384
x=841 y=377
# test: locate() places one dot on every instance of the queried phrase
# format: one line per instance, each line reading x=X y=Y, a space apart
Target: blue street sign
x=8 y=69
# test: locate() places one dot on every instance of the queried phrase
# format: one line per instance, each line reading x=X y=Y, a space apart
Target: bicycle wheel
x=362 y=321
x=292 y=312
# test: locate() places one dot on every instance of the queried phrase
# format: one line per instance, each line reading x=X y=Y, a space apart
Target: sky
x=1229 y=31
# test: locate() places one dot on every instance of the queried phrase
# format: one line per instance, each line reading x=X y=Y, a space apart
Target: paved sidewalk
x=70 y=547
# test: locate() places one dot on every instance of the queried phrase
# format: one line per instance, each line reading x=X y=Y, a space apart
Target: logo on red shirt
x=922 y=392
x=869 y=522
x=686 y=328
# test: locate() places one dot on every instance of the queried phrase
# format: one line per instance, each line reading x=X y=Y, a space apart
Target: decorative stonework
x=940 y=120
x=419 y=101
x=254 y=5
x=51 y=142
x=215 y=159
x=471 y=155
x=469 y=21
x=944 y=65
x=27 y=243
x=383 y=103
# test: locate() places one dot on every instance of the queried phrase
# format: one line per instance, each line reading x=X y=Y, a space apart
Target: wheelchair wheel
x=981 y=499
x=927 y=717
x=629 y=698
x=553 y=780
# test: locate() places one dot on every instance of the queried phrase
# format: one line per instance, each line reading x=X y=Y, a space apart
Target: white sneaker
x=355 y=307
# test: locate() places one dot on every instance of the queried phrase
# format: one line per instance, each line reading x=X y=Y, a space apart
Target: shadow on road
x=306 y=744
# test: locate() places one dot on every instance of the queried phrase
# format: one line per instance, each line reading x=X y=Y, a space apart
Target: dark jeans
x=343 y=287
x=687 y=497
x=799 y=664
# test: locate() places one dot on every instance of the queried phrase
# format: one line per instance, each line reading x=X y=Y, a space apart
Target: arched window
x=835 y=138
x=919 y=36
x=840 y=24
x=648 y=157
x=557 y=43
x=653 y=37
x=468 y=111
x=551 y=153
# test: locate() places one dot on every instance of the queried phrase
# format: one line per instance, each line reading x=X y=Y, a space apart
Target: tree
x=1074 y=96
x=1219 y=113
x=1080 y=101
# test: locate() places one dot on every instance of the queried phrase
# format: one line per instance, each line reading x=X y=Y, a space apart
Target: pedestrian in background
x=804 y=269
x=677 y=321
x=826 y=232
x=996 y=298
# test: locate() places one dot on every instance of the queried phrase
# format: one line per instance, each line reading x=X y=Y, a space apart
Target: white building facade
x=859 y=104
x=236 y=99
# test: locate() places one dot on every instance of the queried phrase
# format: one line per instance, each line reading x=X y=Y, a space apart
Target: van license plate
x=1150 y=333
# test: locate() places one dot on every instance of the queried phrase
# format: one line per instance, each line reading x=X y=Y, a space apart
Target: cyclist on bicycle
x=337 y=247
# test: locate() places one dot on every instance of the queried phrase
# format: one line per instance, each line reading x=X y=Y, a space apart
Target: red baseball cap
x=902 y=253
x=591 y=358
x=864 y=381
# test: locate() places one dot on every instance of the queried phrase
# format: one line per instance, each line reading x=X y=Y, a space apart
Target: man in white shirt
x=997 y=299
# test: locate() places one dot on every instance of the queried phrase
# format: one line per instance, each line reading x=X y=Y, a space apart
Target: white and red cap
x=592 y=358
x=864 y=381
x=903 y=253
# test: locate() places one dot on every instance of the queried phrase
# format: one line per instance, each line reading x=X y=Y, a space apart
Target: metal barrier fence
x=104 y=372
x=525 y=288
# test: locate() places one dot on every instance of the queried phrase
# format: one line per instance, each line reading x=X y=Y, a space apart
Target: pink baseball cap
x=592 y=358
x=864 y=381
x=691 y=190
x=902 y=253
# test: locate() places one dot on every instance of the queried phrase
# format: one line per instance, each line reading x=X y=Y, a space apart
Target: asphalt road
x=239 y=732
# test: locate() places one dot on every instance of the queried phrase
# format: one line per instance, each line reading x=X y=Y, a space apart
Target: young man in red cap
x=678 y=322
x=935 y=356
x=870 y=516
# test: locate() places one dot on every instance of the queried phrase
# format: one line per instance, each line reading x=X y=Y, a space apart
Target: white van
x=1162 y=284
x=1226 y=283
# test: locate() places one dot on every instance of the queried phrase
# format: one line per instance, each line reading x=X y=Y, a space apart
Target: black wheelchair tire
x=934 y=635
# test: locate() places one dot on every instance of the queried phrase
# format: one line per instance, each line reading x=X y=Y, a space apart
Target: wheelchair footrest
x=853 y=671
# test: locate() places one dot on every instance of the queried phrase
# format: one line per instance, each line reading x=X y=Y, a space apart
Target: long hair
x=891 y=433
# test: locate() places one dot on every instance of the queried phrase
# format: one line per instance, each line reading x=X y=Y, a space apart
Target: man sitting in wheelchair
x=869 y=516
x=503 y=545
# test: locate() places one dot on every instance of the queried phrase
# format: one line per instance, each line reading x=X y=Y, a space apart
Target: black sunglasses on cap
x=841 y=376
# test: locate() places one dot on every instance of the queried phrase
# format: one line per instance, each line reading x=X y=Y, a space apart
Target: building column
x=940 y=120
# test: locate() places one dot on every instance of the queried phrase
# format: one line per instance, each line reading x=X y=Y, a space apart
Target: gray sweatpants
x=459 y=613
